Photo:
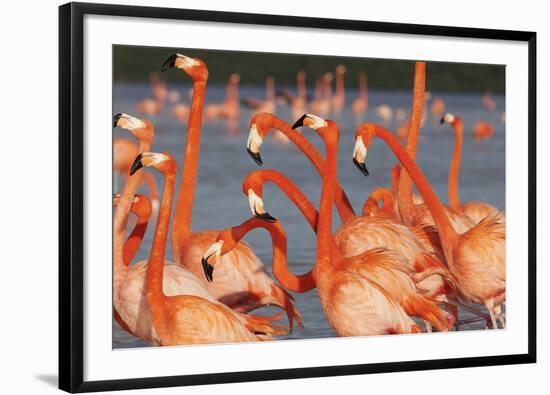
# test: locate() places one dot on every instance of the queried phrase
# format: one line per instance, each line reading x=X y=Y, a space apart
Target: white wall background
x=28 y=198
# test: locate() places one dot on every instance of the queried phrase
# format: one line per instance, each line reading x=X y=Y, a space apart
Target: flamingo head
x=164 y=162
x=141 y=129
x=210 y=258
x=363 y=138
x=450 y=119
x=256 y=204
x=194 y=67
x=327 y=129
x=259 y=126
x=141 y=205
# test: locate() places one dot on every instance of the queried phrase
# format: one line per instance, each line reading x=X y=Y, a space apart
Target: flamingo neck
x=122 y=212
x=291 y=281
x=387 y=202
x=454 y=169
x=181 y=226
x=134 y=240
x=341 y=200
x=325 y=240
x=155 y=264
x=301 y=88
x=405 y=199
x=269 y=91
x=446 y=232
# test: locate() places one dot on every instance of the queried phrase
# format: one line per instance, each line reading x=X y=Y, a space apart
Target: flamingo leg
x=500 y=316
x=428 y=327
x=470 y=309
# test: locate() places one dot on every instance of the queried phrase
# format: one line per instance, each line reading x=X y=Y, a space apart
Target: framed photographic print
x=182 y=132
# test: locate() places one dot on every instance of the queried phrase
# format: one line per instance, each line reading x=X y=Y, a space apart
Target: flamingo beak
x=265 y=217
x=257 y=207
x=136 y=165
x=362 y=167
x=360 y=156
x=115 y=119
x=169 y=63
x=256 y=156
x=208 y=268
x=299 y=122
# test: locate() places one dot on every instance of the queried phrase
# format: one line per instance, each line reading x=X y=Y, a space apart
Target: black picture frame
x=71 y=199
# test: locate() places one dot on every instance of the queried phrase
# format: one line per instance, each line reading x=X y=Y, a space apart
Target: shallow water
x=220 y=203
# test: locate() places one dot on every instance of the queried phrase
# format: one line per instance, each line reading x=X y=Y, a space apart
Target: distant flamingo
x=385 y=113
x=476 y=211
x=437 y=107
x=483 y=130
x=186 y=318
x=476 y=258
x=370 y=293
x=488 y=102
x=153 y=106
x=321 y=102
x=242 y=281
x=339 y=98
x=267 y=105
x=130 y=304
x=360 y=105
x=297 y=102
x=230 y=108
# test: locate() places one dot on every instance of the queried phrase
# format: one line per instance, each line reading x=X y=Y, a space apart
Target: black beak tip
x=442 y=120
x=266 y=217
x=299 y=122
x=115 y=119
x=208 y=270
x=362 y=167
x=169 y=63
x=256 y=156
x=136 y=165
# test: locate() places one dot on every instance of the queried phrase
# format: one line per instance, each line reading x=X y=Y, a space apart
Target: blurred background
x=348 y=90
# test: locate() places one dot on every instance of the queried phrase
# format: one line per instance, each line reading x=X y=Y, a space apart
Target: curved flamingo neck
x=387 y=202
x=269 y=90
x=406 y=205
x=134 y=240
x=341 y=200
x=296 y=196
x=122 y=212
x=181 y=226
x=291 y=281
x=155 y=264
x=454 y=169
x=447 y=233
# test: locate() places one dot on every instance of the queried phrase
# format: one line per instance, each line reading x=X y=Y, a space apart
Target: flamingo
x=476 y=211
x=357 y=233
x=437 y=107
x=384 y=112
x=488 y=102
x=187 y=318
x=242 y=281
x=154 y=105
x=297 y=102
x=371 y=209
x=230 y=108
x=483 y=130
x=476 y=258
x=124 y=152
x=413 y=214
x=267 y=105
x=360 y=105
x=130 y=305
x=367 y=294
x=339 y=99
x=321 y=103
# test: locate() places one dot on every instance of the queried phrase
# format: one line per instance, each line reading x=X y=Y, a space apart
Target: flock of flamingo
x=403 y=257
